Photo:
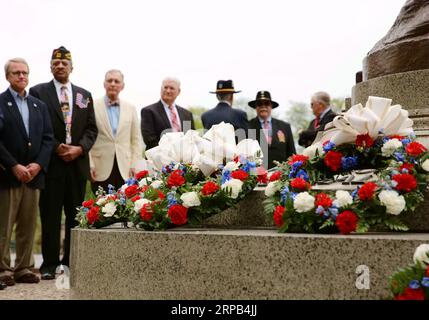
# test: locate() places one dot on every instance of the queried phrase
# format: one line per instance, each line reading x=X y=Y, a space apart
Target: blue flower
x=348 y=163
x=328 y=146
x=414 y=284
x=226 y=176
x=425 y=282
x=285 y=194
x=293 y=194
x=171 y=198
x=85 y=210
x=355 y=193
x=405 y=141
x=249 y=166
x=399 y=156
x=302 y=174
x=320 y=210
x=131 y=181
x=122 y=201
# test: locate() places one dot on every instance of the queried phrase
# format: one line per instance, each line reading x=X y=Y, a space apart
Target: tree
x=197 y=111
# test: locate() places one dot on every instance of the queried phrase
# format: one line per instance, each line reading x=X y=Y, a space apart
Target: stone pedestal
x=235 y=264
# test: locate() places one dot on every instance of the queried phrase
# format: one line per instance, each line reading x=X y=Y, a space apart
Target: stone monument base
x=235 y=264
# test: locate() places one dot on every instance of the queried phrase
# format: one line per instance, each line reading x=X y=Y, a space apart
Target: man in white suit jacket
x=118 y=147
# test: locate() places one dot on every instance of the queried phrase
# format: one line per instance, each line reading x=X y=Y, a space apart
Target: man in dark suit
x=320 y=104
x=72 y=114
x=224 y=111
x=274 y=136
x=165 y=115
x=26 y=141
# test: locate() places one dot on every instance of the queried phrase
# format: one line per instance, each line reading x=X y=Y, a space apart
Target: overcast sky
x=290 y=48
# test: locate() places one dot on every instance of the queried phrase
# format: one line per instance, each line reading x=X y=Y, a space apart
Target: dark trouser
x=67 y=191
x=115 y=179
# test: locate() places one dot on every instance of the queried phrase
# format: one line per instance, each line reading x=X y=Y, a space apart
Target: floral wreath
x=297 y=203
x=179 y=193
x=412 y=282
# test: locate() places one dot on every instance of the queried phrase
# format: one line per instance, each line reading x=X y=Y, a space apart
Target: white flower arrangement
x=394 y=202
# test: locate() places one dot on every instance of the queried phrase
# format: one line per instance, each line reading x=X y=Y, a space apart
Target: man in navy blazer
x=165 y=115
x=26 y=141
x=71 y=111
x=224 y=111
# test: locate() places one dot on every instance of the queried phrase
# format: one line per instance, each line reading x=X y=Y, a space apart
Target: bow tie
x=113 y=104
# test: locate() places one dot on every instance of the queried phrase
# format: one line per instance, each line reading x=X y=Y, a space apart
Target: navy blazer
x=282 y=145
x=18 y=147
x=154 y=121
x=224 y=112
x=84 y=128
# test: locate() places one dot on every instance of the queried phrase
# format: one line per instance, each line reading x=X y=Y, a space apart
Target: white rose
x=390 y=147
x=109 y=209
x=124 y=186
x=144 y=182
x=231 y=166
x=235 y=185
x=425 y=165
x=394 y=203
x=156 y=184
x=343 y=198
x=311 y=150
x=303 y=202
x=272 y=188
x=139 y=204
x=190 y=199
x=421 y=254
x=101 y=201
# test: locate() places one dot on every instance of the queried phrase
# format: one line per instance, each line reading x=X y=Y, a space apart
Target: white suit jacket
x=127 y=145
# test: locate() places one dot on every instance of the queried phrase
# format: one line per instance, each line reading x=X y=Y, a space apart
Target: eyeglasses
x=17 y=73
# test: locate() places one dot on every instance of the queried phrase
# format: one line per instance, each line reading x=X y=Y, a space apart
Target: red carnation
x=276 y=176
x=209 y=188
x=175 y=179
x=161 y=195
x=300 y=184
x=239 y=174
x=364 y=140
x=278 y=216
x=322 y=199
x=262 y=178
x=408 y=166
x=415 y=149
x=333 y=160
x=131 y=190
x=405 y=182
x=366 y=192
x=346 y=222
x=142 y=174
x=411 y=294
x=134 y=199
x=396 y=136
x=298 y=157
x=178 y=214
x=146 y=212
x=88 y=204
x=92 y=215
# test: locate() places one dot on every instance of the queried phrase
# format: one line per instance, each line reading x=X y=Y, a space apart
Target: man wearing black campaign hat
x=272 y=134
x=224 y=111
x=72 y=114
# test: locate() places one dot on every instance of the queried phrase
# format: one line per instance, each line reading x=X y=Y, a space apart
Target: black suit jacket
x=18 y=147
x=83 y=131
x=154 y=120
x=307 y=137
x=224 y=112
x=282 y=144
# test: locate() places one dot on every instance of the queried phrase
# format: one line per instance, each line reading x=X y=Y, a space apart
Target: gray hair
x=173 y=79
x=224 y=96
x=14 y=60
x=114 y=71
x=322 y=97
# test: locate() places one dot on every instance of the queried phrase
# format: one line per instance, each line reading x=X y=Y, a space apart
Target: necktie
x=316 y=123
x=65 y=108
x=174 y=121
x=267 y=131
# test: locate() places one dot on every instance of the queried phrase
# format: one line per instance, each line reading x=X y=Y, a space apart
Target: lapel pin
x=9 y=103
x=35 y=105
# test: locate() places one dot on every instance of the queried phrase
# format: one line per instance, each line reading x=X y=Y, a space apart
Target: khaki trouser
x=18 y=206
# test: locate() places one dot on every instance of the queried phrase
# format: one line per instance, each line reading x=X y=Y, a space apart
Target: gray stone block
x=234 y=264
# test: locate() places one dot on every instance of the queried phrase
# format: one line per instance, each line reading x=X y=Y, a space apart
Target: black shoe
x=48 y=275
x=3 y=285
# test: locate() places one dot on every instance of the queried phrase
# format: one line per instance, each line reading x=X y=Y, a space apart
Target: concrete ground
x=44 y=290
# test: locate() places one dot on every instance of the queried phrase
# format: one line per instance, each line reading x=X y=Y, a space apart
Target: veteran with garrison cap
x=273 y=135
x=72 y=114
x=224 y=111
